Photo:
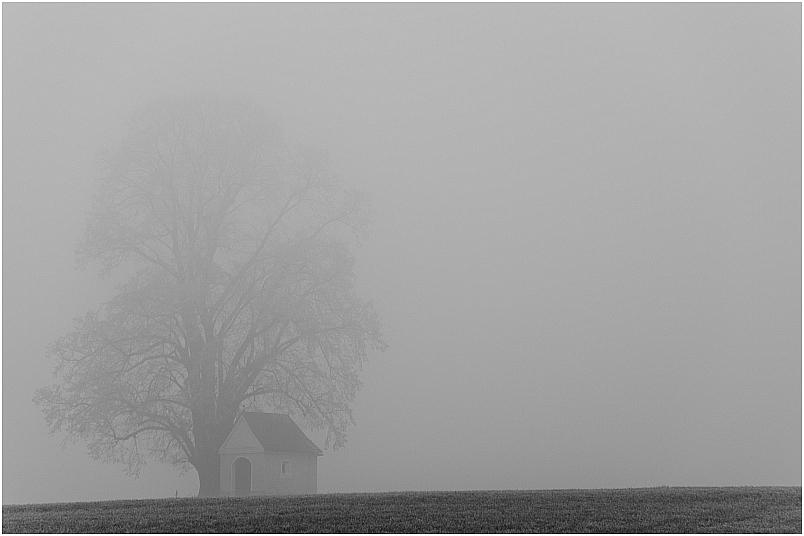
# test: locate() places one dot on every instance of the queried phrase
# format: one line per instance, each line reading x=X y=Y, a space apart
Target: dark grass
x=648 y=510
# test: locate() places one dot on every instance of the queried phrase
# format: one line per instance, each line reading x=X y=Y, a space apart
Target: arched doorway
x=242 y=476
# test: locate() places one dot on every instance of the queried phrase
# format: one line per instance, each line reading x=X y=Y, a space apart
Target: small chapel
x=268 y=454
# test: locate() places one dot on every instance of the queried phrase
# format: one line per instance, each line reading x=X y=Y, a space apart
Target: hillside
x=647 y=510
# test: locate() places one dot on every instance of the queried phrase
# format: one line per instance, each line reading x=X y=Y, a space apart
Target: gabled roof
x=278 y=433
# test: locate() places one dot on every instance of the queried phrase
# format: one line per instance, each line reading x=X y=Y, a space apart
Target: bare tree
x=240 y=290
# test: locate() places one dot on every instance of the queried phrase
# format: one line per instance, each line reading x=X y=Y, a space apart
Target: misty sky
x=587 y=239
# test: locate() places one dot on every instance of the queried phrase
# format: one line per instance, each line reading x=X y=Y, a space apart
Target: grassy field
x=675 y=510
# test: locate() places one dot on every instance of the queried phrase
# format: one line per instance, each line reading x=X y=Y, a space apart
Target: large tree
x=238 y=294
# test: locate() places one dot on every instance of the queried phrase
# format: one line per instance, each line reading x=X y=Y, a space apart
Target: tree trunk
x=210 y=436
x=209 y=474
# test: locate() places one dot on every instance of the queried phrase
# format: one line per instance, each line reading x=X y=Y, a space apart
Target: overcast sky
x=587 y=241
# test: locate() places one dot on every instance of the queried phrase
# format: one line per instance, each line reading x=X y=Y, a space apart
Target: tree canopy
x=239 y=294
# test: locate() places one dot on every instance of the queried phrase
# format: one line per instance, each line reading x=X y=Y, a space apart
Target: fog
x=586 y=248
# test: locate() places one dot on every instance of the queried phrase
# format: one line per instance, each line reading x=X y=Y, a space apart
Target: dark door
x=242 y=475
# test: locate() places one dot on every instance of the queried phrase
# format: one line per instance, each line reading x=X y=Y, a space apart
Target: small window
x=285 y=468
